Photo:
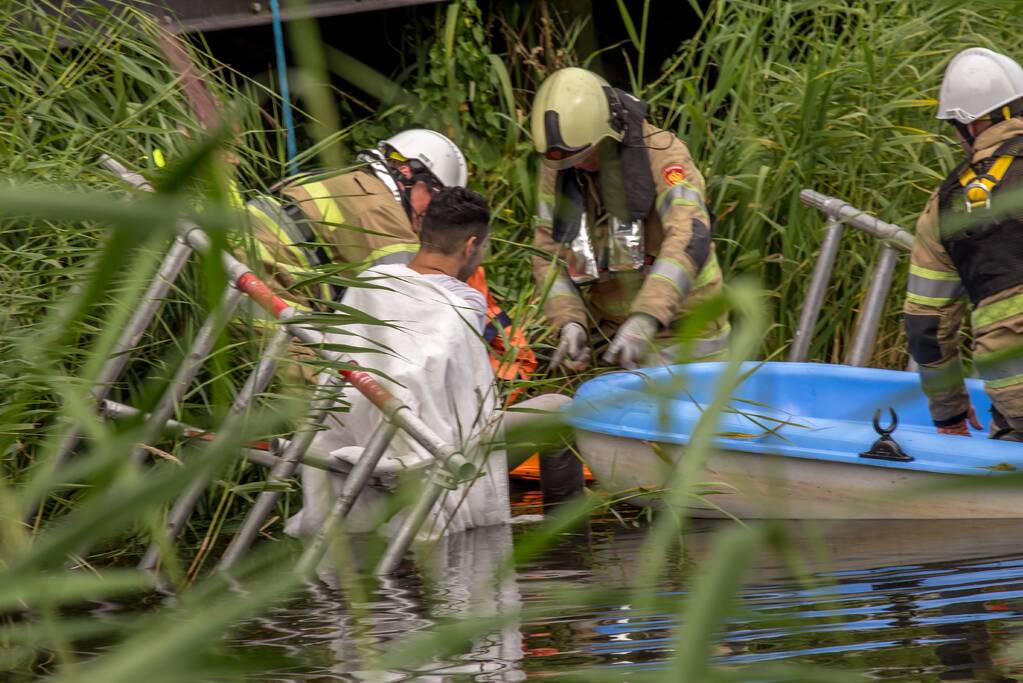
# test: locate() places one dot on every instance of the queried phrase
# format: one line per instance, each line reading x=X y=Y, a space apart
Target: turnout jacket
x=349 y=218
x=355 y=218
x=967 y=261
x=682 y=267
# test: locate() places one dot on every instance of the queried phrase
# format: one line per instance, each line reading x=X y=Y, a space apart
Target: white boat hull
x=767 y=486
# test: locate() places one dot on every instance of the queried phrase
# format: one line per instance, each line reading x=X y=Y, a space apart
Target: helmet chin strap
x=391 y=175
x=996 y=116
x=964 y=132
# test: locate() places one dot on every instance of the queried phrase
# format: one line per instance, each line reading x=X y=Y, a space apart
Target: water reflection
x=908 y=601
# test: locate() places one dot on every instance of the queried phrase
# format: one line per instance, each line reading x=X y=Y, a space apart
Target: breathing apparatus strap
x=978 y=187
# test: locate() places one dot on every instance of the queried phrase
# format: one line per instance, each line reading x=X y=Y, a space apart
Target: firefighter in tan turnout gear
x=370 y=216
x=363 y=217
x=968 y=252
x=621 y=212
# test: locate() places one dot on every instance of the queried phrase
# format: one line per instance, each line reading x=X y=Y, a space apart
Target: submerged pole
x=818 y=288
x=873 y=306
x=354 y=484
x=403 y=540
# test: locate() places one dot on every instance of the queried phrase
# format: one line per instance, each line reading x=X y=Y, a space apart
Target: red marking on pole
x=368 y=387
x=210 y=436
x=261 y=293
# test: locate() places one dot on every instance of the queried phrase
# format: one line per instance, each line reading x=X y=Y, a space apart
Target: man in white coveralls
x=431 y=355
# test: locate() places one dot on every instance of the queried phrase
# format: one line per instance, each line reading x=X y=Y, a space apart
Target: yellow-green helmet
x=570 y=115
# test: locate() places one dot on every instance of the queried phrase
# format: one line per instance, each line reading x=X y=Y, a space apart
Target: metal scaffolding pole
x=258 y=453
x=818 y=288
x=873 y=306
x=850 y=215
x=174 y=261
x=290 y=459
x=187 y=371
x=254 y=385
x=354 y=485
x=894 y=237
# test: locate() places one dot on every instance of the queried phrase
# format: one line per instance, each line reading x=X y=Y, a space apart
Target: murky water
x=893 y=601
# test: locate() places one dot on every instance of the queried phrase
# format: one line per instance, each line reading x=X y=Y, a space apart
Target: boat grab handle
x=886 y=448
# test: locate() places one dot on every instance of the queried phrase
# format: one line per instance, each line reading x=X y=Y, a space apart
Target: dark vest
x=985 y=244
x=626 y=181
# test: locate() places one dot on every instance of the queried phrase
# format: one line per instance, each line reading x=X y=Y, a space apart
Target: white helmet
x=435 y=151
x=977 y=82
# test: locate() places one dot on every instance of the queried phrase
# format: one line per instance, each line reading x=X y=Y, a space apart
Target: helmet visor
x=559 y=158
x=419 y=171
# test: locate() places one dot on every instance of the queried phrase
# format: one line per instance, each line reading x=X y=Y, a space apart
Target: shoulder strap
x=978 y=187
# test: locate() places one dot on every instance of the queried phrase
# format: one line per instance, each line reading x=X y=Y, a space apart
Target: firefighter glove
x=573 y=352
x=633 y=341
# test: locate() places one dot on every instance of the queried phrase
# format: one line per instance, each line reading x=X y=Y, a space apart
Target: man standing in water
x=621 y=211
x=430 y=355
x=969 y=245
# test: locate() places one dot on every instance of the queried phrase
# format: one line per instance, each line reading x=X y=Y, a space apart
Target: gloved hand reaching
x=573 y=352
x=632 y=342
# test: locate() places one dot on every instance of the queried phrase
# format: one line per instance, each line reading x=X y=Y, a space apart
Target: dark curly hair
x=454 y=215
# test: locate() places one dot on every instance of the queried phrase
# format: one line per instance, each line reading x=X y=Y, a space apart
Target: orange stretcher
x=529 y=470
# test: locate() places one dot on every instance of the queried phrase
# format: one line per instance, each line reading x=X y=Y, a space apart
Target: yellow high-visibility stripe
x=711 y=269
x=936 y=302
x=1005 y=382
x=302 y=271
x=401 y=247
x=323 y=199
x=997 y=311
x=933 y=274
x=674 y=272
x=270 y=224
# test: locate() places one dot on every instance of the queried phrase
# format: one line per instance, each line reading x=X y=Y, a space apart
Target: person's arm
x=933 y=313
x=563 y=307
x=563 y=304
x=271 y=253
x=686 y=245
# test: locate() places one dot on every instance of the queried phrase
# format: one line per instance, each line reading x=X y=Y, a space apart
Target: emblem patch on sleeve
x=674 y=174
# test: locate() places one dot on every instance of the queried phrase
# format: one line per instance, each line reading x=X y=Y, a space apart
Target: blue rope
x=282 y=83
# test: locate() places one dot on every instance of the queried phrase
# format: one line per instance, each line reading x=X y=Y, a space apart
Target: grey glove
x=633 y=341
x=573 y=352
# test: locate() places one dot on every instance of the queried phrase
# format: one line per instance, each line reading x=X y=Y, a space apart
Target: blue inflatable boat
x=797 y=441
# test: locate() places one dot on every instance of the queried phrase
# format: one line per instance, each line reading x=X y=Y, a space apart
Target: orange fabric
x=519 y=362
x=529 y=470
